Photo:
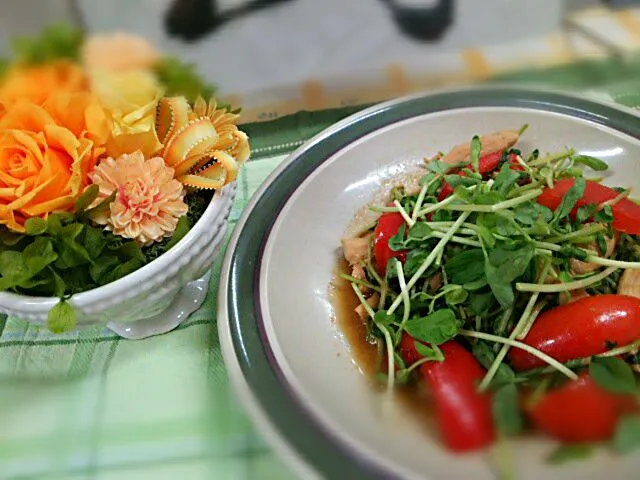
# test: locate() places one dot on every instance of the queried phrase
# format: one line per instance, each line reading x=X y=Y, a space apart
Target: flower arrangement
x=108 y=155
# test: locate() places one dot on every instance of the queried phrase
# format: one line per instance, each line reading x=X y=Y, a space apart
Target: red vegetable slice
x=580 y=411
x=388 y=226
x=581 y=329
x=464 y=416
x=626 y=213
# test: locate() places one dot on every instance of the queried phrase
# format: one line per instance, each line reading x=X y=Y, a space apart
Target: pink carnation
x=148 y=202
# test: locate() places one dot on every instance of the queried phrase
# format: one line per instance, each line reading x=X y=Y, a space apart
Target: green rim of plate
x=304 y=434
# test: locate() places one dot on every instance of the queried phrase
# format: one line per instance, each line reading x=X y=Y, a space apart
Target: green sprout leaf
x=592 y=162
x=506 y=410
x=571 y=199
x=62 y=317
x=434 y=329
x=476 y=149
x=627 y=436
x=613 y=374
x=570 y=453
x=433 y=353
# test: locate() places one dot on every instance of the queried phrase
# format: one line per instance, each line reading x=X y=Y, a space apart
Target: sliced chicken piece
x=357 y=271
x=578 y=267
x=356 y=249
x=435 y=282
x=491 y=143
x=373 y=303
x=630 y=283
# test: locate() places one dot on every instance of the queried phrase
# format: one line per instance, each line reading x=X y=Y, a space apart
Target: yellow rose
x=131 y=98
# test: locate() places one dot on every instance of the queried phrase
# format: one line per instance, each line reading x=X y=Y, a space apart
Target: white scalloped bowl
x=153 y=299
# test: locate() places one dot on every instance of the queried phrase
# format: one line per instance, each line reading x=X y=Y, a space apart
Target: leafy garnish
x=627 y=436
x=504 y=263
x=432 y=353
x=592 y=162
x=506 y=410
x=569 y=453
x=434 y=329
x=612 y=374
x=571 y=198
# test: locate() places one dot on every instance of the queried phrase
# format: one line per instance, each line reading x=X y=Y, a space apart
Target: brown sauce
x=365 y=354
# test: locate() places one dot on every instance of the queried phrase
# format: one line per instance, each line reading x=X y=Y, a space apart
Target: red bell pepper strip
x=626 y=213
x=581 y=329
x=388 y=226
x=580 y=411
x=464 y=416
x=486 y=164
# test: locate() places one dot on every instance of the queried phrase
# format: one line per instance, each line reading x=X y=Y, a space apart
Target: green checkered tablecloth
x=92 y=405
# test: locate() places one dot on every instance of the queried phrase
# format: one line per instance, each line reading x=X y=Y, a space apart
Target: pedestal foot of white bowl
x=187 y=301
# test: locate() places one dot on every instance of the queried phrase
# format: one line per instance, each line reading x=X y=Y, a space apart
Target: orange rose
x=46 y=156
x=37 y=83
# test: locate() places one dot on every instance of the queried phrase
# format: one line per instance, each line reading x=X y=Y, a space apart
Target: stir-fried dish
x=507 y=285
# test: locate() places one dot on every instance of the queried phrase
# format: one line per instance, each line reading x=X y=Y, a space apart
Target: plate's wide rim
x=275 y=409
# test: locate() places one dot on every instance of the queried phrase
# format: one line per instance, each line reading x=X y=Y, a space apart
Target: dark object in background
x=426 y=23
x=190 y=20
x=622 y=3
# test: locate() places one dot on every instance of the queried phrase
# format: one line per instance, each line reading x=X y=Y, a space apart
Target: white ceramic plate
x=294 y=369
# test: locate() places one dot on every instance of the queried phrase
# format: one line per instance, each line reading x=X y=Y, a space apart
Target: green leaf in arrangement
x=592 y=162
x=436 y=328
x=101 y=266
x=570 y=453
x=93 y=242
x=571 y=198
x=102 y=207
x=35 y=226
x=506 y=180
x=613 y=374
x=62 y=317
x=87 y=198
x=506 y=410
x=39 y=255
x=182 y=228
x=8 y=238
x=55 y=42
x=627 y=436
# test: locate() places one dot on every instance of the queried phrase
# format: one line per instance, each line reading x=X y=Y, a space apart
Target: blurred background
x=276 y=57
